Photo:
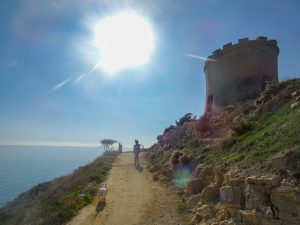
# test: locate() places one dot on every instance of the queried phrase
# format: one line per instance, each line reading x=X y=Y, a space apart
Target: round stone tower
x=239 y=72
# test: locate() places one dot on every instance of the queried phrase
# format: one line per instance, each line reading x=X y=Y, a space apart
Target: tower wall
x=239 y=72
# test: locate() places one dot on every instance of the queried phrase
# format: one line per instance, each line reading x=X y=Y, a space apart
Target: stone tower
x=238 y=72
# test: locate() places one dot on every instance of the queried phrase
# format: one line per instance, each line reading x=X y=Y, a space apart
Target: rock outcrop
x=244 y=160
x=254 y=200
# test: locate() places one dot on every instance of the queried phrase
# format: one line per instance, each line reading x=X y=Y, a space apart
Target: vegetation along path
x=133 y=198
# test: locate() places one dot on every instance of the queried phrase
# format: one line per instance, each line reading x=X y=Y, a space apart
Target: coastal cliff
x=57 y=201
x=240 y=165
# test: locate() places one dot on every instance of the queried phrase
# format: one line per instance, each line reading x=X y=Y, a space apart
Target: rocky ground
x=244 y=161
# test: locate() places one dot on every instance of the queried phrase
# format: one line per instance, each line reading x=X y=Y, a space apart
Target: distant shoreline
x=49 y=145
x=125 y=149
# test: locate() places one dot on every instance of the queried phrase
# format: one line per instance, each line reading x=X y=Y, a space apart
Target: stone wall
x=238 y=72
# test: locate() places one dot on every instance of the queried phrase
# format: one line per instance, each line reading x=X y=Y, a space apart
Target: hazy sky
x=45 y=48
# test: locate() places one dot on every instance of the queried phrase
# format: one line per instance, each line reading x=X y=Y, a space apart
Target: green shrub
x=181 y=206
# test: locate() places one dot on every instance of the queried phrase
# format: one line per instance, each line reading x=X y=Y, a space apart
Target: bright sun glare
x=124 y=40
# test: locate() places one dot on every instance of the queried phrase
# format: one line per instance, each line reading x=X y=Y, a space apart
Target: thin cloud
x=200 y=57
x=61 y=84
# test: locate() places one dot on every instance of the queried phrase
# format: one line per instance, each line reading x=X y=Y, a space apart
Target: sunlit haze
x=125 y=40
x=76 y=72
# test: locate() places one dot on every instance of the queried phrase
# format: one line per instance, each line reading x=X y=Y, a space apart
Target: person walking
x=137 y=150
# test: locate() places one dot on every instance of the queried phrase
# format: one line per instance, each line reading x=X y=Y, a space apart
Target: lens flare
x=181 y=175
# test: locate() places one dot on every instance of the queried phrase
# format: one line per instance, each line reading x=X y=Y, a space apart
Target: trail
x=133 y=198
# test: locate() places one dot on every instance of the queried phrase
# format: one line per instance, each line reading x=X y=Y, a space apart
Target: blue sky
x=45 y=42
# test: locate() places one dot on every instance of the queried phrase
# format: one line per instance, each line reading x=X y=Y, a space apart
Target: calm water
x=22 y=167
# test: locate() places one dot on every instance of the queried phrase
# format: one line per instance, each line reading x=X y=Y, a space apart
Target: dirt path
x=133 y=198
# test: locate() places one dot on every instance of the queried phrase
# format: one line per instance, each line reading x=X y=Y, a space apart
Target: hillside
x=238 y=166
x=57 y=201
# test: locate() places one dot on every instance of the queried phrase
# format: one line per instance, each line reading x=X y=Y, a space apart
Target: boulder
x=294 y=94
x=196 y=219
x=255 y=196
x=228 y=222
x=265 y=221
x=267 y=212
x=175 y=156
x=280 y=160
x=233 y=181
x=194 y=186
x=207 y=172
x=287 y=200
x=174 y=161
x=297 y=188
x=206 y=211
x=167 y=169
x=267 y=182
x=215 y=223
x=184 y=159
x=219 y=178
x=203 y=212
x=295 y=105
x=231 y=196
x=250 y=217
x=193 y=201
x=210 y=194
x=234 y=213
x=224 y=222
x=253 y=217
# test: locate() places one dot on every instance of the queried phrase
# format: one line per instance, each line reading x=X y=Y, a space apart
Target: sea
x=23 y=167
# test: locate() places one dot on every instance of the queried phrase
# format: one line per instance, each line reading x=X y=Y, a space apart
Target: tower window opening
x=209 y=103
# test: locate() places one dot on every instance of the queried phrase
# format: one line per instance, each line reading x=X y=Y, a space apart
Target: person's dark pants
x=136 y=160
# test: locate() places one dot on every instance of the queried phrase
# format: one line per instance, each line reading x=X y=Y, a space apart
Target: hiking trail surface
x=133 y=198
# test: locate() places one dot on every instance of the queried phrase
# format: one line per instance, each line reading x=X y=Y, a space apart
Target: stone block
x=231 y=196
x=256 y=196
x=287 y=200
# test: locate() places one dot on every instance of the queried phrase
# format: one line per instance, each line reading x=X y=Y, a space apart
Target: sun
x=124 y=40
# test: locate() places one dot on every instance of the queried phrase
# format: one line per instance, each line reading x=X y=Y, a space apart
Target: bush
x=239 y=126
x=203 y=125
x=186 y=118
x=169 y=128
x=227 y=141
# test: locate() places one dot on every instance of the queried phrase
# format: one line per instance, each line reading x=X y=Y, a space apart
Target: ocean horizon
x=23 y=167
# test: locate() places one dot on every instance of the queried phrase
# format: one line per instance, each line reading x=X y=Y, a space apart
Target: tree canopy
x=107 y=144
